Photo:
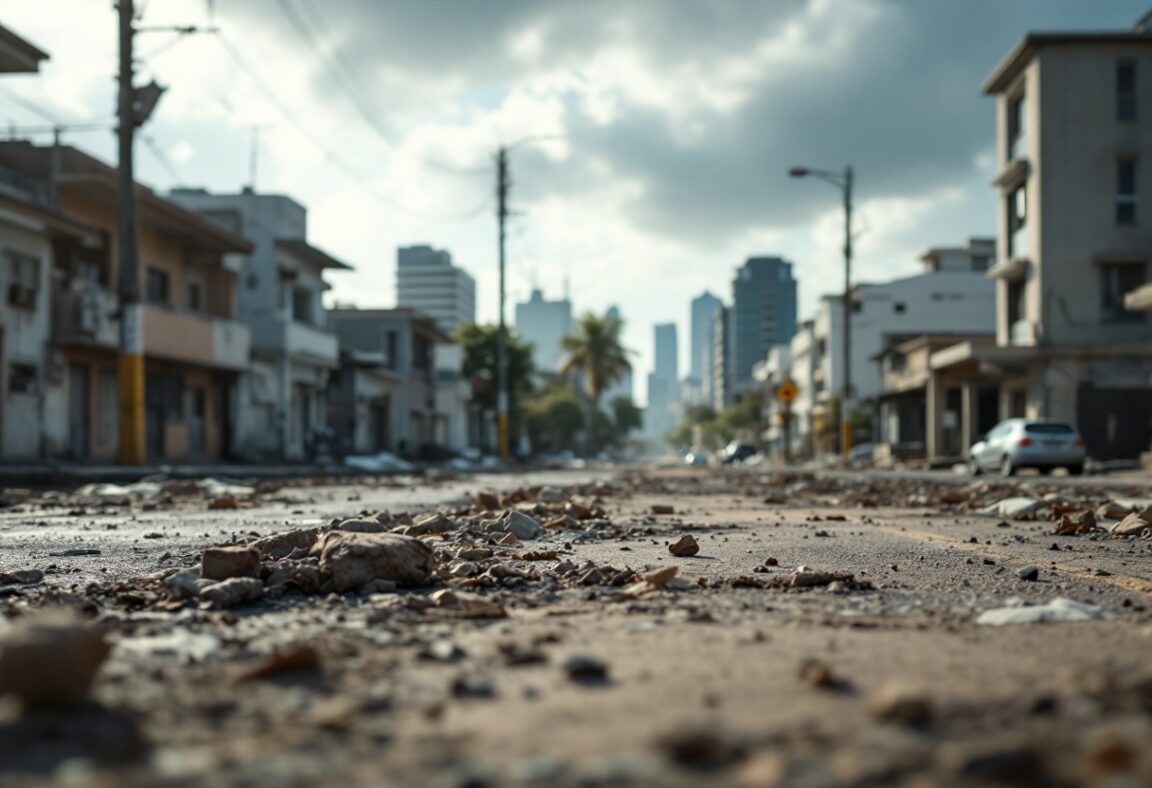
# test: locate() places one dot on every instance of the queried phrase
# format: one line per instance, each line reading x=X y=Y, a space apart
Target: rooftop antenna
x=567 y=288
x=1142 y=23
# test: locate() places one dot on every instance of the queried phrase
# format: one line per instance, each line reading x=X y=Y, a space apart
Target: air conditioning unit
x=21 y=296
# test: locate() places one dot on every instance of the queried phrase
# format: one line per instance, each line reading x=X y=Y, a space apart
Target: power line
x=161 y=157
x=332 y=158
x=314 y=34
x=24 y=103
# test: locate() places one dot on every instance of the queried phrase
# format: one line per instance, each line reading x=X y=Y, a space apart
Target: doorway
x=78 y=411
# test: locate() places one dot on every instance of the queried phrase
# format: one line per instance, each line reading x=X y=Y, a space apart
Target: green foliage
x=478 y=343
x=626 y=417
x=555 y=418
x=702 y=424
x=596 y=354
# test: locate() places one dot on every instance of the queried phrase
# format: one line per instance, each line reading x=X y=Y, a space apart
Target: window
x=1016 y=127
x=21 y=379
x=1015 y=301
x=899 y=307
x=1116 y=279
x=23 y=277
x=391 y=345
x=897 y=362
x=1126 y=91
x=157 y=287
x=1126 y=191
x=981 y=262
x=1017 y=220
x=302 y=305
x=195 y=296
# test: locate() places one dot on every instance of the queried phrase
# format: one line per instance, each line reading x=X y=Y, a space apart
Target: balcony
x=300 y=341
x=85 y=316
x=196 y=339
x=1022 y=332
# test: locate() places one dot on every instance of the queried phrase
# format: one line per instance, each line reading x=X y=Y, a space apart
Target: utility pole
x=130 y=366
x=846 y=398
x=502 y=331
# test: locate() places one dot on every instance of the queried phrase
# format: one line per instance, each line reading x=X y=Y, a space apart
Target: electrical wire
x=24 y=103
x=350 y=172
x=162 y=158
x=315 y=36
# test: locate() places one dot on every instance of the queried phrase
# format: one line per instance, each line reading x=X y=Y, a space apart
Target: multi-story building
x=282 y=405
x=722 y=359
x=427 y=280
x=763 y=315
x=544 y=323
x=194 y=348
x=1072 y=120
x=17 y=55
x=701 y=346
x=663 y=383
x=400 y=388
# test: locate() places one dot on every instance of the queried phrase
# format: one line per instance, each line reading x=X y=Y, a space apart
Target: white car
x=1043 y=444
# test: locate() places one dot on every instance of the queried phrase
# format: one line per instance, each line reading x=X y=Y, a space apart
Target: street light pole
x=502 y=331
x=843 y=181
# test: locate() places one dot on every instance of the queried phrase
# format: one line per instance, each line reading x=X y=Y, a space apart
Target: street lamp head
x=798 y=172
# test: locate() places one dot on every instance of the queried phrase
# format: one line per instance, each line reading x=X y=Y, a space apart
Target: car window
x=1048 y=428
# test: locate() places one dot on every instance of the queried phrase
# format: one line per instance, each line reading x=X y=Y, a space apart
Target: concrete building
x=805 y=353
x=1072 y=114
x=544 y=323
x=282 y=409
x=763 y=315
x=945 y=299
x=427 y=280
x=722 y=359
x=17 y=55
x=194 y=347
x=701 y=346
x=663 y=383
x=401 y=388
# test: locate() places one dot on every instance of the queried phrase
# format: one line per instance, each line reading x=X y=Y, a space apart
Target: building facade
x=624 y=386
x=763 y=315
x=544 y=323
x=427 y=280
x=701 y=342
x=663 y=383
x=282 y=413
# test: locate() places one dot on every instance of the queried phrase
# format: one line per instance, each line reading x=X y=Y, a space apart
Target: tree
x=597 y=355
x=555 y=417
x=626 y=416
x=479 y=348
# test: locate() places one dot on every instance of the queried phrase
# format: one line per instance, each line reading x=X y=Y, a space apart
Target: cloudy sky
x=663 y=128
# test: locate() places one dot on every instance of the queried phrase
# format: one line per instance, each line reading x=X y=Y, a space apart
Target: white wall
x=25 y=334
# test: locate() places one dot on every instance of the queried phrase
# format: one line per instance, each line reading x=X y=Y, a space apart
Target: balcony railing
x=196 y=338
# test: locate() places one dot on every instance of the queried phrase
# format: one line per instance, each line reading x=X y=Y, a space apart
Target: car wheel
x=1007 y=468
x=1075 y=470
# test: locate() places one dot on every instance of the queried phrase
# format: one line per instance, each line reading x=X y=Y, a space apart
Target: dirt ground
x=825 y=633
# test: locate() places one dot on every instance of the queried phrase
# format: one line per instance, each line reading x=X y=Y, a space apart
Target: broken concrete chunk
x=1059 y=609
x=1131 y=525
x=660 y=577
x=353 y=559
x=51 y=659
x=432 y=524
x=232 y=592
x=1076 y=524
x=302 y=575
x=660 y=508
x=24 y=577
x=522 y=525
x=359 y=526
x=551 y=495
x=1016 y=508
x=687 y=546
x=221 y=563
x=1113 y=511
x=278 y=546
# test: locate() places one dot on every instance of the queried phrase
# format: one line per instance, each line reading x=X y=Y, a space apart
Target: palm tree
x=596 y=354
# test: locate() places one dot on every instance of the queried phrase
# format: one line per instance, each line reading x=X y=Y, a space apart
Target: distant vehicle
x=1029 y=443
x=737 y=452
x=696 y=458
x=863 y=452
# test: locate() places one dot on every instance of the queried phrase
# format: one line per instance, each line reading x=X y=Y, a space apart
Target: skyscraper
x=701 y=345
x=545 y=324
x=427 y=280
x=663 y=382
x=622 y=387
x=763 y=315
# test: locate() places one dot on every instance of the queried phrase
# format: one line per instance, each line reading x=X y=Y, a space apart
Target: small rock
x=442 y=650
x=222 y=563
x=522 y=525
x=661 y=508
x=487 y=501
x=463 y=569
x=24 y=577
x=432 y=524
x=278 y=546
x=51 y=659
x=300 y=657
x=585 y=670
x=360 y=526
x=232 y=592
x=509 y=539
x=288 y=573
x=771 y=562
x=686 y=547
x=551 y=495
x=660 y=577
x=224 y=502
x=816 y=673
x=1113 y=511
x=1029 y=572
x=1130 y=525
x=474 y=553
x=902 y=706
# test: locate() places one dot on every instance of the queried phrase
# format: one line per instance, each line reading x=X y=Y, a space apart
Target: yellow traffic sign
x=786 y=392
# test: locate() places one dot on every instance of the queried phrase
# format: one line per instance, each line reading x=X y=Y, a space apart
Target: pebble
x=1029 y=572
x=584 y=669
x=687 y=546
x=523 y=526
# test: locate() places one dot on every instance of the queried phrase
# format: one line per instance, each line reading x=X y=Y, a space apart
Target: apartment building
x=1073 y=121
x=401 y=388
x=427 y=280
x=282 y=408
x=194 y=347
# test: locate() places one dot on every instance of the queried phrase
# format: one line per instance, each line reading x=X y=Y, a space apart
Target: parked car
x=862 y=452
x=696 y=458
x=737 y=452
x=1029 y=443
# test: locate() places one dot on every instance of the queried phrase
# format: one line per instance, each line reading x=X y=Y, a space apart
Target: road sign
x=786 y=392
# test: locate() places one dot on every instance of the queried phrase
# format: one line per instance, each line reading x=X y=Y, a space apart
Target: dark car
x=737 y=452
